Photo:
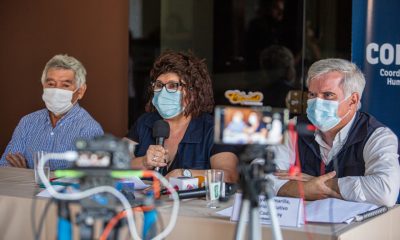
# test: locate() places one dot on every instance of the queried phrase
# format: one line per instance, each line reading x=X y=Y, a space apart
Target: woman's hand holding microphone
x=156 y=156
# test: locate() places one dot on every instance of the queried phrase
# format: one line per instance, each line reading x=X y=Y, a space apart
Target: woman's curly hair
x=193 y=75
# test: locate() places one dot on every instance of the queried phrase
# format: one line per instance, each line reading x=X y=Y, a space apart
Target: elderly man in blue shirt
x=55 y=128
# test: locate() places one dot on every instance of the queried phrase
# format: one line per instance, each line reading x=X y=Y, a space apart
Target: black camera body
x=104 y=152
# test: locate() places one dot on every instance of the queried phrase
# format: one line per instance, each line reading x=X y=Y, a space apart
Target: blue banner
x=376 y=50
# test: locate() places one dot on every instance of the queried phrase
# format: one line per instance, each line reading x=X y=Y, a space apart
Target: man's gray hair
x=69 y=63
x=353 y=79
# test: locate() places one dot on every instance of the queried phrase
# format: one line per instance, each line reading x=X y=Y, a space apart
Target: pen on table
x=371 y=213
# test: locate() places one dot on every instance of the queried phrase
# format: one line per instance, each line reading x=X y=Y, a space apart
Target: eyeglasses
x=171 y=87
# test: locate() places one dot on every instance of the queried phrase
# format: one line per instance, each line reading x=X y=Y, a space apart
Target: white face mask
x=57 y=100
x=324 y=113
x=253 y=119
x=237 y=118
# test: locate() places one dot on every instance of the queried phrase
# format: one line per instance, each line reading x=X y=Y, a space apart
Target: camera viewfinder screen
x=98 y=159
x=249 y=125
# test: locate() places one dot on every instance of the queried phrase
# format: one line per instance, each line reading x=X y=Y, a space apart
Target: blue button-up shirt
x=36 y=133
x=194 y=150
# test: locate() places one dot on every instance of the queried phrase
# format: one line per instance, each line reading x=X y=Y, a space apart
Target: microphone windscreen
x=160 y=129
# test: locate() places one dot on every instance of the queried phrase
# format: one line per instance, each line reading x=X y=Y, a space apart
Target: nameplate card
x=289 y=210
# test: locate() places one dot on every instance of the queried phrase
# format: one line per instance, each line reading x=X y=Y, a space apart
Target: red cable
x=157 y=193
x=296 y=170
x=111 y=224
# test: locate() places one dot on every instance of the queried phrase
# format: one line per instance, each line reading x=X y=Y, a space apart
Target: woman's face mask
x=323 y=113
x=168 y=104
x=58 y=101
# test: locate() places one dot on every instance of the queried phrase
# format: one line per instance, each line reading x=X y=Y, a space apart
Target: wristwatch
x=186 y=173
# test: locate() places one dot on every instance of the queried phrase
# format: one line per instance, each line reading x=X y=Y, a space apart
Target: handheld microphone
x=228 y=190
x=160 y=133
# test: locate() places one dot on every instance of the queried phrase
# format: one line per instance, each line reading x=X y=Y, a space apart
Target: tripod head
x=260 y=158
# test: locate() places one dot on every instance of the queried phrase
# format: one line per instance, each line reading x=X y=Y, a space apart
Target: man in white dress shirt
x=351 y=156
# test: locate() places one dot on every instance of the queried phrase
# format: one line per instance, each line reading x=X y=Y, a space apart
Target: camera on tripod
x=103 y=182
x=255 y=128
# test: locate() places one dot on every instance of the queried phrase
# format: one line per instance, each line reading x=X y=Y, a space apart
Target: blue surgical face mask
x=323 y=113
x=168 y=104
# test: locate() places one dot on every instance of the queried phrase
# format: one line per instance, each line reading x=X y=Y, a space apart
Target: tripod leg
x=255 y=225
x=241 y=225
x=276 y=230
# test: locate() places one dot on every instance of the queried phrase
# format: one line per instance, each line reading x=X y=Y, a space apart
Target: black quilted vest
x=349 y=161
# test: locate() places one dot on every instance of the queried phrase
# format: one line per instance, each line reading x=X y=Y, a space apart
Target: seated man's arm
x=381 y=182
x=324 y=186
x=14 y=153
x=295 y=186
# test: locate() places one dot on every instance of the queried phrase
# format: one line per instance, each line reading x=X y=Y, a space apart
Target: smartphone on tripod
x=250 y=125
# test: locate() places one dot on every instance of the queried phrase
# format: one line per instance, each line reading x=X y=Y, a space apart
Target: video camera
x=97 y=158
x=101 y=181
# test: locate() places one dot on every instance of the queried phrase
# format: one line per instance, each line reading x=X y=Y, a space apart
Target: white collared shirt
x=328 y=152
x=381 y=182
